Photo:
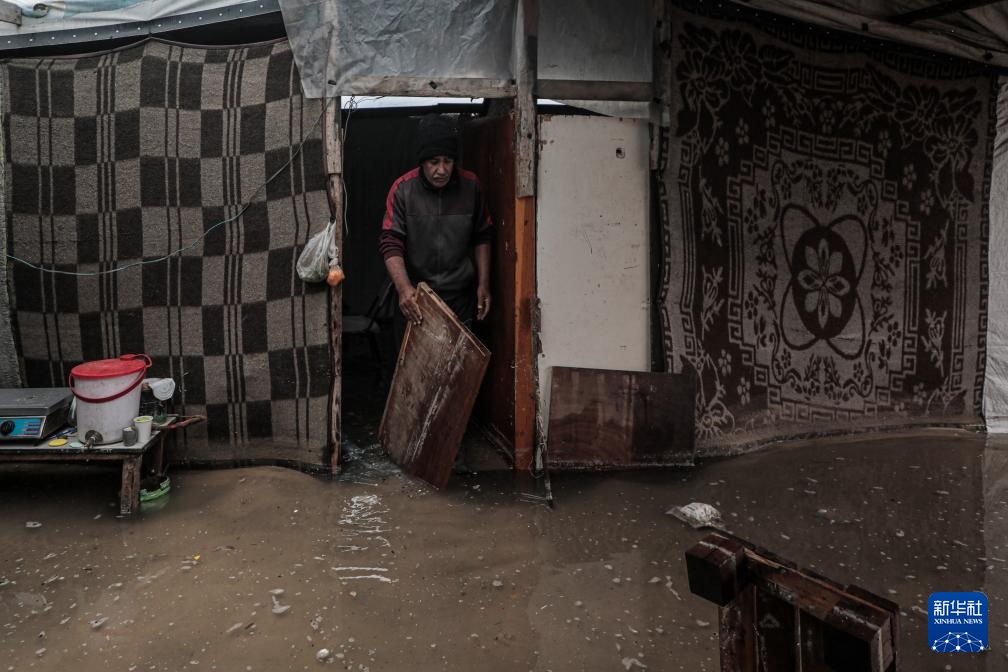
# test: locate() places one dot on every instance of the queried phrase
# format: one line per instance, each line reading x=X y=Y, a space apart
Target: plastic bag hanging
x=320 y=256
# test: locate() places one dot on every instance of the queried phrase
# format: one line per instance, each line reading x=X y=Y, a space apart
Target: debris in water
x=31 y=600
x=697 y=515
x=277 y=591
x=633 y=662
x=31 y=525
x=376 y=577
x=98 y=622
x=316 y=623
x=278 y=608
x=655 y=579
x=322 y=655
x=235 y=628
x=497 y=583
x=40 y=652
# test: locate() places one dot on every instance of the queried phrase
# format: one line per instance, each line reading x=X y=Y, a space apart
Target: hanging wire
x=352 y=105
x=244 y=208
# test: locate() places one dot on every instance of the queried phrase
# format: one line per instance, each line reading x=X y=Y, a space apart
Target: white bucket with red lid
x=108 y=394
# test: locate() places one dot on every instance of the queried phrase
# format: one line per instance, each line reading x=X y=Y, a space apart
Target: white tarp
x=595 y=40
x=46 y=16
x=348 y=41
x=352 y=42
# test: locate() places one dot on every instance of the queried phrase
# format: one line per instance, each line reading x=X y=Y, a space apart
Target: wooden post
x=129 y=495
x=526 y=408
x=661 y=77
x=332 y=134
x=525 y=108
x=526 y=146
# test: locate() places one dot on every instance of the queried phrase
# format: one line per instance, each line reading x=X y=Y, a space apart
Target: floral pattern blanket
x=824 y=205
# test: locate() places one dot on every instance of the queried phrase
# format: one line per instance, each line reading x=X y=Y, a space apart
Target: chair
x=367 y=324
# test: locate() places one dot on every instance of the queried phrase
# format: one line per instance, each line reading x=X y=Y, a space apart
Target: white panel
x=592 y=250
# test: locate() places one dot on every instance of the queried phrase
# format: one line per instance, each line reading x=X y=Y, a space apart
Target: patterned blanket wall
x=825 y=228
x=132 y=154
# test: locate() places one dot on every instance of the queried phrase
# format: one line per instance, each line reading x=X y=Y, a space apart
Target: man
x=437 y=228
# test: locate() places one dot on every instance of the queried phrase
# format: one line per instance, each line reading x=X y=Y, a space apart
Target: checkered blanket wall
x=130 y=155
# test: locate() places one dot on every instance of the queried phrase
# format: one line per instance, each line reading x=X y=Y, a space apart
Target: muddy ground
x=390 y=575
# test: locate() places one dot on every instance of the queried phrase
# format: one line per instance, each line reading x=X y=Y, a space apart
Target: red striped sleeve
x=388 y=224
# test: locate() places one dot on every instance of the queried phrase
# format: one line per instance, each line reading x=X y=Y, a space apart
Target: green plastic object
x=163 y=489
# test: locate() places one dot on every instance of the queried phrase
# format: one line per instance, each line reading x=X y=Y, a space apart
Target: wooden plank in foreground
x=775 y=616
x=438 y=375
x=605 y=419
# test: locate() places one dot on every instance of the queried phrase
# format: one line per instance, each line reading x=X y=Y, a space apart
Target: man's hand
x=482 y=302
x=396 y=266
x=408 y=304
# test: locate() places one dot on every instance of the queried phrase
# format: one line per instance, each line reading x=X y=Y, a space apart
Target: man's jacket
x=435 y=230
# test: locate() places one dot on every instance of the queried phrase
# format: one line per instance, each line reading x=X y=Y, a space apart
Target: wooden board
x=440 y=368
x=489 y=152
x=601 y=418
x=775 y=616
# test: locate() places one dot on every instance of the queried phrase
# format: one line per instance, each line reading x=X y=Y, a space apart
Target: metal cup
x=142 y=424
x=129 y=436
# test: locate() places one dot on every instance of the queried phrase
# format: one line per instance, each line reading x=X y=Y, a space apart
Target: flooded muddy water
x=263 y=568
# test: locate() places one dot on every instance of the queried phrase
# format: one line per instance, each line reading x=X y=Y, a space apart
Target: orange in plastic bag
x=335 y=276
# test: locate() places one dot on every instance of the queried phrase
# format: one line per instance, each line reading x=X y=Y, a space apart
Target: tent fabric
x=825 y=228
x=10 y=368
x=979 y=34
x=131 y=155
x=996 y=388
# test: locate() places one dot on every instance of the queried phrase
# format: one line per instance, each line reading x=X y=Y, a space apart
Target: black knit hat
x=436 y=136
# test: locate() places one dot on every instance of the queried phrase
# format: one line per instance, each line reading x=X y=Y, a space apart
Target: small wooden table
x=130 y=456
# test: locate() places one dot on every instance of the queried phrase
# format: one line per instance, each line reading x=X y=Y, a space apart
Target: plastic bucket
x=108 y=394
